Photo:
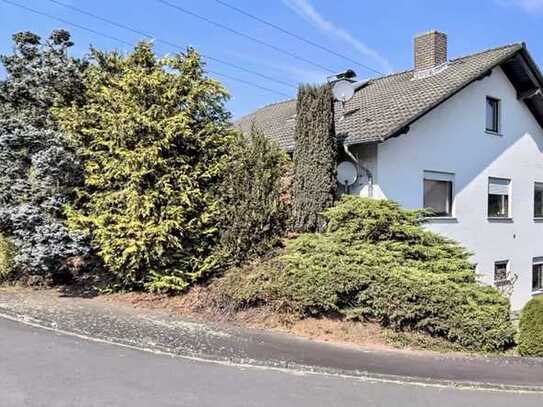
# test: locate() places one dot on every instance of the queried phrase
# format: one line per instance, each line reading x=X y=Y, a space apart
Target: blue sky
x=375 y=33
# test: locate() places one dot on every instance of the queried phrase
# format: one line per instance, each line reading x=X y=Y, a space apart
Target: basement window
x=501 y=269
x=438 y=193
x=537 y=274
x=498 y=197
x=492 y=115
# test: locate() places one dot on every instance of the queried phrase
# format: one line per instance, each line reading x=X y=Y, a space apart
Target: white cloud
x=530 y=6
x=306 y=10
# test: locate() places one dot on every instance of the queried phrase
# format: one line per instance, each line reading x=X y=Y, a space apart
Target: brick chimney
x=430 y=50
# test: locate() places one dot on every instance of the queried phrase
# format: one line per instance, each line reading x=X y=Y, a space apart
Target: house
x=463 y=137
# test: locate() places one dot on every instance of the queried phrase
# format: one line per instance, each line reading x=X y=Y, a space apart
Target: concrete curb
x=283 y=366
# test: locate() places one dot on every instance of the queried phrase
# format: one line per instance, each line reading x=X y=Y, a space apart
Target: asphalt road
x=41 y=368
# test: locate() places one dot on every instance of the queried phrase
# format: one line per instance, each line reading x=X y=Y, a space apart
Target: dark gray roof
x=385 y=106
x=277 y=121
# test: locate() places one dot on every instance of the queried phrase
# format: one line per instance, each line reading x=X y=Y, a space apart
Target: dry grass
x=196 y=305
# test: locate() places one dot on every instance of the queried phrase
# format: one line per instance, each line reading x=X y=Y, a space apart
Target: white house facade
x=451 y=146
x=463 y=138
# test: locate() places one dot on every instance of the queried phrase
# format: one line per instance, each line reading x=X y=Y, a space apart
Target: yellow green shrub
x=154 y=138
x=6 y=257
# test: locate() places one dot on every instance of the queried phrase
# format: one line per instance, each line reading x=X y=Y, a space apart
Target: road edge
x=286 y=367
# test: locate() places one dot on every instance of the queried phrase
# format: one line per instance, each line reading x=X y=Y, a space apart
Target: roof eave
x=533 y=66
x=399 y=129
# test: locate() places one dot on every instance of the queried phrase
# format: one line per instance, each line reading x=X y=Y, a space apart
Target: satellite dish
x=346 y=173
x=343 y=90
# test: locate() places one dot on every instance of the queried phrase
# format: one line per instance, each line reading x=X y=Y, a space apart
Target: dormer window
x=492 y=115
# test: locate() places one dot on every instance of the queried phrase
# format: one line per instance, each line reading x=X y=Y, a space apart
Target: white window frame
x=509 y=200
x=431 y=175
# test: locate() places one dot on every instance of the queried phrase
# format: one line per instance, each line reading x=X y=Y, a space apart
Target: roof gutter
x=399 y=132
x=484 y=75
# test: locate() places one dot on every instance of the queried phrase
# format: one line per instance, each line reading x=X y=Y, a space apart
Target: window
x=492 y=115
x=438 y=192
x=537 y=274
x=498 y=197
x=501 y=269
x=538 y=200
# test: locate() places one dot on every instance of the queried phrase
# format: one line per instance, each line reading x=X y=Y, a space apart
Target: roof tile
x=384 y=105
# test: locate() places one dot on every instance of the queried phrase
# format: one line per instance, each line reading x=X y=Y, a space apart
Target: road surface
x=42 y=368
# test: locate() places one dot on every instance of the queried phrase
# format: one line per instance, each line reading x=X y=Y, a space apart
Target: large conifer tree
x=38 y=169
x=314 y=158
x=154 y=135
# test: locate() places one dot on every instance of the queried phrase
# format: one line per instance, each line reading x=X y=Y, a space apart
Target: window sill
x=537 y=292
x=498 y=219
x=441 y=219
x=538 y=219
x=494 y=133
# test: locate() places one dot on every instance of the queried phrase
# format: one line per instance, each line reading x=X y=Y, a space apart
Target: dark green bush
x=530 y=340
x=254 y=209
x=375 y=261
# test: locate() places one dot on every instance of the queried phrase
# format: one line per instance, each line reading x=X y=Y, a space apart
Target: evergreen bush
x=530 y=338
x=155 y=137
x=315 y=158
x=252 y=199
x=376 y=262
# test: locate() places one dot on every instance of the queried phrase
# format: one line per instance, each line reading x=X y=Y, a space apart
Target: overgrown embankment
x=375 y=261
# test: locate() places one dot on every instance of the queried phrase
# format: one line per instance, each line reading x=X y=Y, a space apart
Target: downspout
x=358 y=165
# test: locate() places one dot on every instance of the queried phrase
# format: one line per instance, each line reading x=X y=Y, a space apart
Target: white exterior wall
x=452 y=138
x=366 y=155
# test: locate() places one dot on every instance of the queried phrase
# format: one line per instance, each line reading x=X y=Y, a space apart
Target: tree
x=314 y=158
x=254 y=208
x=154 y=136
x=38 y=168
